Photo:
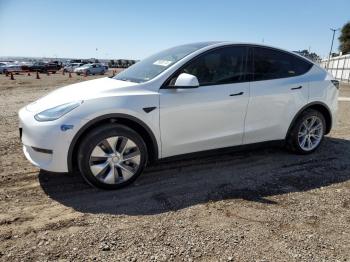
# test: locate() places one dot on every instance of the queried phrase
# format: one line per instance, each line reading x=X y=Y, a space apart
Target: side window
x=271 y=64
x=222 y=66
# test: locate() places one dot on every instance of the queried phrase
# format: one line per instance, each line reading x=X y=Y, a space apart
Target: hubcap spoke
x=112 y=141
x=312 y=122
x=315 y=128
x=309 y=143
x=127 y=171
x=315 y=136
x=302 y=134
x=99 y=169
x=98 y=153
x=106 y=147
x=122 y=144
x=131 y=155
x=110 y=177
x=303 y=142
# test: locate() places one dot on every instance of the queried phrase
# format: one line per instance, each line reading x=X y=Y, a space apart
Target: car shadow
x=252 y=175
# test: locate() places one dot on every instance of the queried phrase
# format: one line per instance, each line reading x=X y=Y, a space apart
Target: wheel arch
x=319 y=106
x=132 y=122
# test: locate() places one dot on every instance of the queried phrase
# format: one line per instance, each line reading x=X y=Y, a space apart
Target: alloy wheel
x=310 y=133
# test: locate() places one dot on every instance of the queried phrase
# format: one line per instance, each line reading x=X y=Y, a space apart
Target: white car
x=70 y=68
x=186 y=99
x=91 y=69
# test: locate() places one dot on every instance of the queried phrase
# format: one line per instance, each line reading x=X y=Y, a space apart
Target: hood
x=80 y=91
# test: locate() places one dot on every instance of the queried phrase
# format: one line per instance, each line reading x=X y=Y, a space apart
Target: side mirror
x=186 y=81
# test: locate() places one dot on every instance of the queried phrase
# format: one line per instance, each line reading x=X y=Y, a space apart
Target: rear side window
x=272 y=64
x=220 y=66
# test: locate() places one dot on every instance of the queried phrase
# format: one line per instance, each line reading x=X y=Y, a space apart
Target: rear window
x=272 y=64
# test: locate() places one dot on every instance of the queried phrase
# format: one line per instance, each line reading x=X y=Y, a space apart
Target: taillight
x=335 y=83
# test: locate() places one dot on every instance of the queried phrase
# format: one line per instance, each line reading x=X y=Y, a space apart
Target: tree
x=344 y=39
x=312 y=56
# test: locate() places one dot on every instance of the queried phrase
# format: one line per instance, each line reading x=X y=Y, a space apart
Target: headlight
x=57 y=112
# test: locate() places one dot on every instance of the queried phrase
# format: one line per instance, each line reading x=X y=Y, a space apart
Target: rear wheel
x=307 y=132
x=112 y=156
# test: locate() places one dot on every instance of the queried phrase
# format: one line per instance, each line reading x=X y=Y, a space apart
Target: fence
x=339 y=67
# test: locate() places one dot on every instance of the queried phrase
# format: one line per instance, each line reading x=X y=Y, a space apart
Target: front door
x=212 y=115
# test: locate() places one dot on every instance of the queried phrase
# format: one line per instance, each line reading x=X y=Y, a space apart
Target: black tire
x=93 y=138
x=292 y=140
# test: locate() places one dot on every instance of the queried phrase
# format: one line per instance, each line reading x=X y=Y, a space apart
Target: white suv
x=186 y=99
x=90 y=69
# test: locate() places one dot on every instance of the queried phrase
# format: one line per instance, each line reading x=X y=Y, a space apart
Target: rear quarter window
x=270 y=63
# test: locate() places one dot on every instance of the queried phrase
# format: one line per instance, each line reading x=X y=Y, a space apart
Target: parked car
x=91 y=69
x=26 y=65
x=186 y=99
x=2 y=67
x=9 y=67
x=70 y=67
x=43 y=67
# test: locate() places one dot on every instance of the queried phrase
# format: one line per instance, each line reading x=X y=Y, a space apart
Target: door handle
x=237 y=94
x=295 y=88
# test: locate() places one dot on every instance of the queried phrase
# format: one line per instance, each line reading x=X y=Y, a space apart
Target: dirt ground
x=260 y=205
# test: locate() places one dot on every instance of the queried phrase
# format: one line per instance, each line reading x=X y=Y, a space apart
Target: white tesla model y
x=185 y=99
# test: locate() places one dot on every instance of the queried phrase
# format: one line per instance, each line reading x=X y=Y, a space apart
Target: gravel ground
x=259 y=205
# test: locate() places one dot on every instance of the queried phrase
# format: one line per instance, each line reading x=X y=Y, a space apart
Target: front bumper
x=45 y=145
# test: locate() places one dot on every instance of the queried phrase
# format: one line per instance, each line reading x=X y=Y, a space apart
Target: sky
x=134 y=29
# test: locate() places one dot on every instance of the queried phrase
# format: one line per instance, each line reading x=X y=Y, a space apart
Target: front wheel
x=307 y=132
x=112 y=156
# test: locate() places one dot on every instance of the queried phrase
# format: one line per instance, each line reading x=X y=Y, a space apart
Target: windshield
x=152 y=66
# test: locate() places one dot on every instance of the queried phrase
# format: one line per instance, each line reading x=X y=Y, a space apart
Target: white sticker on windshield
x=162 y=62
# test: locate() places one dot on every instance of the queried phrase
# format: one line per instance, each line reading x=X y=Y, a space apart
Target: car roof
x=223 y=43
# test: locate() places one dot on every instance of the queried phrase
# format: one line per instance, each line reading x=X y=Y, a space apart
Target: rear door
x=93 y=69
x=212 y=115
x=278 y=90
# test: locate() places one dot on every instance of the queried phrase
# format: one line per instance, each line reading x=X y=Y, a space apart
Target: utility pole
x=330 y=51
